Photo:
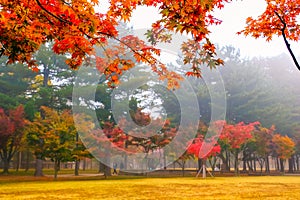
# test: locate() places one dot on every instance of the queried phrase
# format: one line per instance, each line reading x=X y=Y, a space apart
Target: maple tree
x=75 y=27
x=262 y=138
x=202 y=147
x=199 y=143
x=11 y=134
x=52 y=136
x=283 y=148
x=280 y=18
x=234 y=136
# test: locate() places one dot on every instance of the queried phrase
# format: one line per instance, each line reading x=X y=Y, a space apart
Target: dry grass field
x=118 y=187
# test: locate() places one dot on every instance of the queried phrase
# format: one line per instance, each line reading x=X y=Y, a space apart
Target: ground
x=129 y=187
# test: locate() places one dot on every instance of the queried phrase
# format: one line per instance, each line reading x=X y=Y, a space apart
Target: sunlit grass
x=281 y=187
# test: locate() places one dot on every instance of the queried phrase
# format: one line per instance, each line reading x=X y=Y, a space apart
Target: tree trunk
x=5 y=166
x=236 y=162
x=27 y=160
x=291 y=164
x=101 y=167
x=249 y=164
x=297 y=163
x=228 y=166
x=245 y=159
x=244 y=166
x=203 y=168
x=224 y=167
x=106 y=170
x=84 y=164
x=76 y=171
x=267 y=170
x=56 y=168
x=281 y=165
x=38 y=167
x=183 y=167
x=277 y=164
x=19 y=161
x=165 y=161
x=199 y=164
x=125 y=161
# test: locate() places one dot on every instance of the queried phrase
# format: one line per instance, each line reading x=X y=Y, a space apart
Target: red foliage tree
x=75 y=27
x=234 y=136
x=11 y=134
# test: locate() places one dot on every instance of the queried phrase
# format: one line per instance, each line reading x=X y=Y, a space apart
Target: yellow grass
x=281 y=187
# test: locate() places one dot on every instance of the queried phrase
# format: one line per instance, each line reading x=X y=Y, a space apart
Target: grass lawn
x=264 y=187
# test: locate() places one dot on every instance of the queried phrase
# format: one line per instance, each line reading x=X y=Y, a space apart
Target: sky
x=233 y=15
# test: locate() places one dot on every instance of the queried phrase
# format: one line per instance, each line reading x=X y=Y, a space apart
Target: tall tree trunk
x=27 y=160
x=204 y=169
x=297 y=163
x=200 y=164
x=183 y=167
x=228 y=165
x=101 y=167
x=245 y=159
x=106 y=170
x=249 y=164
x=19 y=160
x=291 y=164
x=84 y=164
x=125 y=161
x=278 y=164
x=267 y=170
x=38 y=167
x=5 y=166
x=76 y=170
x=236 y=162
x=281 y=165
x=225 y=167
x=56 y=168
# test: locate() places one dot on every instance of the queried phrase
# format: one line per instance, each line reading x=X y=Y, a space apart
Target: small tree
x=199 y=144
x=52 y=136
x=11 y=134
x=236 y=136
x=283 y=148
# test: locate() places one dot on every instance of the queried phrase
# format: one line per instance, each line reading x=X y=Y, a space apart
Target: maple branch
x=88 y=36
x=56 y=17
x=286 y=41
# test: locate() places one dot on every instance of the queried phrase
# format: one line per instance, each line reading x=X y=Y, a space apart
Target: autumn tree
x=199 y=144
x=75 y=27
x=57 y=132
x=283 y=148
x=235 y=136
x=11 y=134
x=262 y=138
x=51 y=86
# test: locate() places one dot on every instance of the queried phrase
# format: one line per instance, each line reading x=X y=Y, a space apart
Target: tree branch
x=56 y=17
x=286 y=41
x=91 y=37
